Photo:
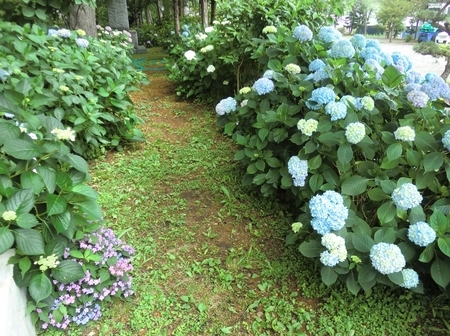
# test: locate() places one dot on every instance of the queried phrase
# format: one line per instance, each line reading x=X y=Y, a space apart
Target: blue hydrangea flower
x=358 y=41
x=317 y=64
x=3 y=75
x=336 y=110
x=373 y=44
x=64 y=32
x=406 y=196
x=421 y=234
x=329 y=259
x=52 y=32
x=402 y=61
x=303 y=33
x=82 y=42
x=318 y=75
x=185 y=34
x=226 y=105
x=386 y=58
x=373 y=65
x=370 y=53
x=387 y=258
x=413 y=76
x=263 y=86
x=329 y=34
x=446 y=140
x=410 y=278
x=298 y=170
x=413 y=86
x=320 y=96
x=435 y=87
x=328 y=211
x=355 y=132
x=418 y=98
x=342 y=49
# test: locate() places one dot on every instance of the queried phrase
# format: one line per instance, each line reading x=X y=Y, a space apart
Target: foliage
x=363 y=134
x=231 y=42
x=392 y=13
x=75 y=79
x=359 y=16
x=157 y=35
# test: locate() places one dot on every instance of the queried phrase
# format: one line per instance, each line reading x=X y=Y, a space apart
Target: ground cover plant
x=211 y=257
x=359 y=142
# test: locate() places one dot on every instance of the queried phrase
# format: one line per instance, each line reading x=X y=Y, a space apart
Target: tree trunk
x=159 y=10
x=204 y=12
x=82 y=17
x=176 y=15
x=213 y=11
x=446 y=72
x=181 y=8
x=148 y=15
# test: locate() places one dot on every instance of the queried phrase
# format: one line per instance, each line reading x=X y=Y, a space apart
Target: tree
x=360 y=15
x=176 y=15
x=392 y=13
x=204 y=12
x=82 y=17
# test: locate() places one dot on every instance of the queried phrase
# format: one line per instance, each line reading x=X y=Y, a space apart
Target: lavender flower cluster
x=80 y=301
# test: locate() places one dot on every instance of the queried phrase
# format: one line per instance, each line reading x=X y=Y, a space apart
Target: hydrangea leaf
x=29 y=241
x=68 y=271
x=40 y=287
x=440 y=272
x=329 y=276
x=6 y=239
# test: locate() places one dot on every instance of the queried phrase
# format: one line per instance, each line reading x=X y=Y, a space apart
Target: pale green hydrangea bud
x=9 y=215
x=292 y=68
x=48 y=262
x=296 y=227
x=245 y=90
x=67 y=134
x=269 y=30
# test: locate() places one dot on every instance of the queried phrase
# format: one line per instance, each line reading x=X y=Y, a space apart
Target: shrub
x=228 y=45
x=358 y=141
x=73 y=78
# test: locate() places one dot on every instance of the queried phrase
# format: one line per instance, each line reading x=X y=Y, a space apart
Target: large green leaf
x=26 y=220
x=77 y=162
x=444 y=245
x=396 y=278
x=440 y=272
x=7 y=106
x=40 y=287
x=427 y=255
x=433 y=161
x=21 y=149
x=352 y=283
x=311 y=249
x=29 y=241
x=366 y=273
x=48 y=176
x=385 y=235
x=21 y=201
x=315 y=182
x=386 y=212
x=61 y=221
x=68 y=271
x=56 y=246
x=8 y=131
x=362 y=242
x=354 y=185
x=345 y=153
x=377 y=194
x=33 y=181
x=56 y=204
x=426 y=142
x=6 y=239
x=391 y=77
x=329 y=276
x=394 y=151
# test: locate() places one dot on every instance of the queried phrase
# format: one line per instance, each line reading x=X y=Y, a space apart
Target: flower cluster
x=336 y=110
x=201 y=36
x=4 y=74
x=433 y=86
x=358 y=41
x=328 y=211
x=317 y=64
x=446 y=140
x=269 y=30
x=9 y=215
x=298 y=170
x=336 y=251
x=82 y=42
x=307 y=127
x=50 y=261
x=64 y=134
x=190 y=55
x=296 y=227
x=263 y=86
x=342 y=49
x=406 y=196
x=405 y=133
x=355 y=132
x=319 y=97
x=210 y=68
x=206 y=49
x=292 y=68
x=367 y=103
x=421 y=234
x=418 y=98
x=387 y=258
x=226 y=106
x=329 y=34
x=303 y=33
x=410 y=278
x=245 y=90
x=87 y=313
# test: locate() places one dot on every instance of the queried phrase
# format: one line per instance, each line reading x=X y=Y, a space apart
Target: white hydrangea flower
x=210 y=68
x=64 y=134
x=190 y=55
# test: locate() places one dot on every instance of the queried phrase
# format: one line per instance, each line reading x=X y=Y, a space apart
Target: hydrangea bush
x=216 y=62
x=358 y=141
x=75 y=79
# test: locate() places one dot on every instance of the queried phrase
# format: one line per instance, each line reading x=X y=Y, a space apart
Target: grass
x=211 y=257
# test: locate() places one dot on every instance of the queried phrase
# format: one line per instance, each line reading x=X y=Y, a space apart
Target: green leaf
x=6 y=239
x=354 y=185
x=56 y=204
x=92 y=209
x=311 y=249
x=29 y=241
x=394 y=151
x=21 y=149
x=24 y=265
x=315 y=182
x=314 y=162
x=388 y=186
x=391 y=77
x=444 y=245
x=414 y=158
x=7 y=106
x=61 y=221
x=40 y=287
x=440 y=272
x=377 y=194
x=27 y=11
x=331 y=177
x=427 y=255
x=21 y=201
x=48 y=176
x=352 y=283
x=56 y=246
x=386 y=212
x=366 y=273
x=362 y=242
x=31 y=180
x=329 y=276
x=68 y=271
x=385 y=235
x=26 y=221
x=426 y=142
x=433 y=161
x=263 y=133
x=439 y=223
x=396 y=278
x=77 y=162
x=345 y=153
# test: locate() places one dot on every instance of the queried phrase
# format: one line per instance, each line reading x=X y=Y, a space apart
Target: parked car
x=443 y=38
